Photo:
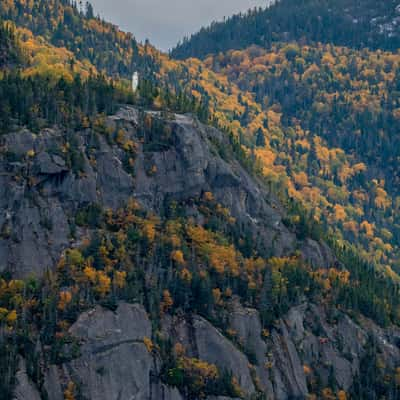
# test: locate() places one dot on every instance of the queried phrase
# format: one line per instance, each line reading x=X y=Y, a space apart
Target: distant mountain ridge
x=352 y=23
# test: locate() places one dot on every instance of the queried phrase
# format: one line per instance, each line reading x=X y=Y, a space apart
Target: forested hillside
x=63 y=65
x=228 y=231
x=323 y=122
x=352 y=23
x=9 y=49
x=62 y=24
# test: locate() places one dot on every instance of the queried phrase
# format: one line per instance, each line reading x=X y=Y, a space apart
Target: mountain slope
x=161 y=214
x=322 y=122
x=352 y=23
x=147 y=255
x=63 y=25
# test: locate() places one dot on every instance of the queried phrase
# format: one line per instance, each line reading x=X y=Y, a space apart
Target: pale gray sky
x=164 y=22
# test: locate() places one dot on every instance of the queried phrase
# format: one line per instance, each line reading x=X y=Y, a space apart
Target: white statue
x=135 y=81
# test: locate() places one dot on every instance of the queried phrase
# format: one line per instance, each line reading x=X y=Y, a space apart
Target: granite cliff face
x=48 y=178
x=114 y=362
x=41 y=191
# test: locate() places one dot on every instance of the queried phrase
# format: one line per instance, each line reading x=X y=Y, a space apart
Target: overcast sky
x=164 y=22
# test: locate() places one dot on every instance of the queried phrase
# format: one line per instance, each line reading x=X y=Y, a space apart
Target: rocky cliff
x=47 y=178
x=54 y=180
x=114 y=362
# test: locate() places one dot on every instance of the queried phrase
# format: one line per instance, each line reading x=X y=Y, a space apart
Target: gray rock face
x=247 y=325
x=41 y=189
x=202 y=340
x=317 y=254
x=163 y=392
x=194 y=166
x=289 y=375
x=214 y=348
x=53 y=383
x=25 y=389
x=46 y=164
x=115 y=363
x=304 y=337
x=40 y=194
x=101 y=327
